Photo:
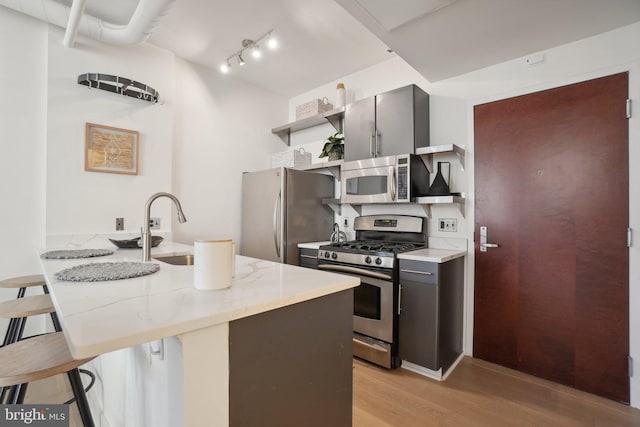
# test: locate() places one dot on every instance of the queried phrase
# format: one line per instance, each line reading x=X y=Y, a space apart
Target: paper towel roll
x=213 y=267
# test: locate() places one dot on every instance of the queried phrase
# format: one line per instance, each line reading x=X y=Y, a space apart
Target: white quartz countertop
x=313 y=245
x=432 y=255
x=99 y=317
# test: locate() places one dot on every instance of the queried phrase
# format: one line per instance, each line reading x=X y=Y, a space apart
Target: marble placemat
x=103 y=271
x=75 y=253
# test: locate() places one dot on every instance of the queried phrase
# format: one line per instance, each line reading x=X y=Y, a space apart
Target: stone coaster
x=103 y=271
x=76 y=253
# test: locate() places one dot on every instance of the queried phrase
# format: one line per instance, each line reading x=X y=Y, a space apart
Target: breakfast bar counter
x=237 y=343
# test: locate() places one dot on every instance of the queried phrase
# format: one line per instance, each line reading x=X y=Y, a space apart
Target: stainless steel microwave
x=391 y=179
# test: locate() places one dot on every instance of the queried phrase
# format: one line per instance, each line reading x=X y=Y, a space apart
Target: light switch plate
x=448 y=224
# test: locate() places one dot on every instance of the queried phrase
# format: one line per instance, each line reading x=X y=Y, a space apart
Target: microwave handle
x=394 y=184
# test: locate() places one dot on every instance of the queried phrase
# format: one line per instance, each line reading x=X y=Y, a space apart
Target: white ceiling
x=471 y=34
x=318 y=41
x=323 y=40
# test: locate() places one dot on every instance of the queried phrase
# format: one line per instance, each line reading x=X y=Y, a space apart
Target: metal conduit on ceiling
x=140 y=26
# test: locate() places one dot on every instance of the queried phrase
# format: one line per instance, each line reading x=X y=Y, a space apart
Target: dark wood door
x=552 y=188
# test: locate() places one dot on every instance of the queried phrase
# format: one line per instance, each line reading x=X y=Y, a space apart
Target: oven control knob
x=326 y=254
x=368 y=260
x=334 y=256
x=378 y=261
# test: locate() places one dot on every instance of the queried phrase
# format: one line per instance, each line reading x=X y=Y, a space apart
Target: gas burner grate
x=363 y=246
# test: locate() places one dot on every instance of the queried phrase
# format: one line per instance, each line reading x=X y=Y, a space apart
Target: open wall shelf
x=335 y=117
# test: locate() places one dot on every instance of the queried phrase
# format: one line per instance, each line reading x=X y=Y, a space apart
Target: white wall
x=452 y=102
x=23 y=83
x=222 y=128
x=88 y=202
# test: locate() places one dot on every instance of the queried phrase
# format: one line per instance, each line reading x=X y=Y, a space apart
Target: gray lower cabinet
x=391 y=123
x=308 y=258
x=431 y=317
x=293 y=366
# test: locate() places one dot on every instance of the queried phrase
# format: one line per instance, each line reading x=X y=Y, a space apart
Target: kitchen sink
x=186 y=259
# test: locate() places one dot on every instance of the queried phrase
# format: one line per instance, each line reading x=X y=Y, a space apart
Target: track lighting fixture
x=251 y=46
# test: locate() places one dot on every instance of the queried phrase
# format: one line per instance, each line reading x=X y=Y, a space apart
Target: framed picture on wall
x=111 y=150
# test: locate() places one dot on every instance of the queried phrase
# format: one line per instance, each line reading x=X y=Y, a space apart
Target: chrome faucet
x=146 y=232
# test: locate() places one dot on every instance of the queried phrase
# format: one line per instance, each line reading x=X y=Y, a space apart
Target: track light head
x=272 y=42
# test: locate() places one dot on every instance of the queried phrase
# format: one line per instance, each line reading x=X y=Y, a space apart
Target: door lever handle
x=483 y=240
x=490 y=245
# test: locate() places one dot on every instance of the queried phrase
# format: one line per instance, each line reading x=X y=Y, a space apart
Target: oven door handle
x=354 y=270
x=375 y=347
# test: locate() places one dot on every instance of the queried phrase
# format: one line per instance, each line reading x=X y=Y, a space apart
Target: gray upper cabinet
x=394 y=122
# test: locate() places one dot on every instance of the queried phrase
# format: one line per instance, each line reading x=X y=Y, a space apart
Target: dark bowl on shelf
x=133 y=243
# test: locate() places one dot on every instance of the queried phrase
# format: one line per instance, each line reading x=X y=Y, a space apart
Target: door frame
x=634 y=207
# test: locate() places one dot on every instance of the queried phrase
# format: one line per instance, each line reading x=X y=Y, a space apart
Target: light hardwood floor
x=477 y=393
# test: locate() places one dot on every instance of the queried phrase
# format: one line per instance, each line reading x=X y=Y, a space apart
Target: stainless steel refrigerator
x=281 y=208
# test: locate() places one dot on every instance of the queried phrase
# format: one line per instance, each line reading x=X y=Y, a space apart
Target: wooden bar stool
x=17 y=311
x=23 y=282
x=16 y=324
x=41 y=357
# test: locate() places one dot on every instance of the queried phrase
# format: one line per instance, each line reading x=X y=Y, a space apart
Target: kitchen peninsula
x=273 y=349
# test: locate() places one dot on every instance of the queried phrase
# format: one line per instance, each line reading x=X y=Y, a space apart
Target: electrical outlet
x=447 y=224
x=154 y=223
x=119 y=224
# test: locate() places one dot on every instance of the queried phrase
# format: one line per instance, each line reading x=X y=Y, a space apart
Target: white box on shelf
x=313 y=108
x=290 y=158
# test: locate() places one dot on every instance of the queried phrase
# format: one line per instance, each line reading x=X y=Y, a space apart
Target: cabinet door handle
x=426 y=273
x=377 y=144
x=371 y=149
x=399 y=299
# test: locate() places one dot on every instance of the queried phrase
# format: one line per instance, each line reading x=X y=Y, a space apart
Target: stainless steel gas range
x=372 y=258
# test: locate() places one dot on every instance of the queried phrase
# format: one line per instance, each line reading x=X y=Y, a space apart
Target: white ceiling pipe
x=143 y=21
x=77 y=10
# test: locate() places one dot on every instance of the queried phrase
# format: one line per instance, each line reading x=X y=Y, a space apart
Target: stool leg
x=20 y=329
x=56 y=323
x=81 y=398
x=19 y=392
x=10 y=335
x=11 y=332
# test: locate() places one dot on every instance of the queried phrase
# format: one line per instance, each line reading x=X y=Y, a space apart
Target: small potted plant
x=334 y=147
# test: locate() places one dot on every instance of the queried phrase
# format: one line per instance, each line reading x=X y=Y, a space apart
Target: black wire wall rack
x=119 y=85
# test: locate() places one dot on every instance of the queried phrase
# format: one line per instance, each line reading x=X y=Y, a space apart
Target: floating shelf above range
x=425 y=202
x=335 y=117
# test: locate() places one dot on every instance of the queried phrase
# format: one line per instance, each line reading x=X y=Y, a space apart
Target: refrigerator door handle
x=275 y=223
